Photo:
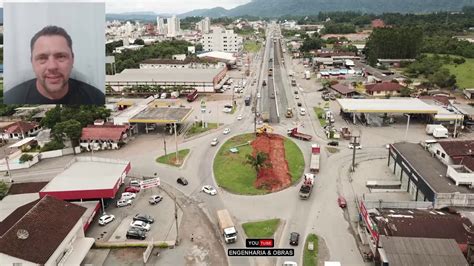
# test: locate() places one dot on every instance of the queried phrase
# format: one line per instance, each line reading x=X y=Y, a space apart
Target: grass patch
x=320 y=114
x=332 y=149
x=231 y=170
x=463 y=73
x=310 y=257
x=198 y=129
x=252 y=46
x=295 y=159
x=235 y=175
x=171 y=158
x=261 y=229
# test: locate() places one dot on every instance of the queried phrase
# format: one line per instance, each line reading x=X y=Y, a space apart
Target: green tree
x=25 y=157
x=52 y=117
x=3 y=189
x=259 y=161
x=139 y=42
x=71 y=129
x=442 y=78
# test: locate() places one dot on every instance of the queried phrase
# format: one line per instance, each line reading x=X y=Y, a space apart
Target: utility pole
x=164 y=139
x=355 y=143
x=176 y=141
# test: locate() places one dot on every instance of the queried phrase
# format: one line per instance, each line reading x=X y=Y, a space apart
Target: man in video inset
x=52 y=59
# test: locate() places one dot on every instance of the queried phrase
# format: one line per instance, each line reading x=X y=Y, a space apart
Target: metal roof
x=411 y=251
x=432 y=170
x=157 y=75
x=88 y=173
x=162 y=115
x=393 y=105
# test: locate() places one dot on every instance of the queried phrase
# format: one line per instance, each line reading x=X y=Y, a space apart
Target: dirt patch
x=23 y=188
x=276 y=177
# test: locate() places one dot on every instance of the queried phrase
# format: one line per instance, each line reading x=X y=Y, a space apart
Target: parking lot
x=163 y=229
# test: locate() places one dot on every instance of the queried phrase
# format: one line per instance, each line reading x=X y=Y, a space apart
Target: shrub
x=52 y=145
x=3 y=189
x=26 y=157
x=163 y=245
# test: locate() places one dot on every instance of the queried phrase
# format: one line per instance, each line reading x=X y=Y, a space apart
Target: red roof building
x=20 y=130
x=114 y=133
x=47 y=231
x=383 y=89
x=343 y=89
x=378 y=23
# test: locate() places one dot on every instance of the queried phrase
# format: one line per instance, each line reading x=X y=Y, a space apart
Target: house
x=378 y=23
x=103 y=137
x=383 y=89
x=343 y=90
x=20 y=130
x=48 y=231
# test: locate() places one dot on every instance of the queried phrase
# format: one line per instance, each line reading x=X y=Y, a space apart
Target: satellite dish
x=22 y=234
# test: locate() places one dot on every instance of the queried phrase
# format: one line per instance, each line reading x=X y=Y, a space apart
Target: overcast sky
x=157 y=6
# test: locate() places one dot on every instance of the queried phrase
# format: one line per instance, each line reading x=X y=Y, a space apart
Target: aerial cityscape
x=262 y=133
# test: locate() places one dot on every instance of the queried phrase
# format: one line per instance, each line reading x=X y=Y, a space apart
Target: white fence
x=14 y=162
x=398 y=204
x=58 y=153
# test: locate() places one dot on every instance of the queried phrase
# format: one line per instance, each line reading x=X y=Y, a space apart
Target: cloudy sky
x=158 y=6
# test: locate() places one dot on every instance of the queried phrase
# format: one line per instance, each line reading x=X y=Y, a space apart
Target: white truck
x=307 y=74
x=438 y=131
x=315 y=155
x=227 y=226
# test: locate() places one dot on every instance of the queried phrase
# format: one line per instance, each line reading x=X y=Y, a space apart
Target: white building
x=173 y=26
x=204 y=25
x=220 y=39
x=161 y=26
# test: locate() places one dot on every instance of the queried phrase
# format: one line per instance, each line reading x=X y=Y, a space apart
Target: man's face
x=52 y=61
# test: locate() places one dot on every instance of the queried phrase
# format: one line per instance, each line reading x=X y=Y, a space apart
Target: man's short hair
x=50 y=31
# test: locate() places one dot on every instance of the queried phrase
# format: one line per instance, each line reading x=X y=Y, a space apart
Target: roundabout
x=281 y=166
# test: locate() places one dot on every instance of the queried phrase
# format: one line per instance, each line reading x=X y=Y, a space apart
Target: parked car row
x=126 y=199
x=140 y=225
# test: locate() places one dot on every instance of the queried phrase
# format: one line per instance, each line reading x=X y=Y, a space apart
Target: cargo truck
x=293 y=132
x=226 y=226
x=315 y=155
x=307 y=186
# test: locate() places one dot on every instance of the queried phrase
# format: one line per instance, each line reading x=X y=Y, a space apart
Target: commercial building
x=426 y=178
x=227 y=58
x=186 y=63
x=88 y=178
x=103 y=137
x=414 y=223
x=204 y=80
x=47 y=231
x=220 y=39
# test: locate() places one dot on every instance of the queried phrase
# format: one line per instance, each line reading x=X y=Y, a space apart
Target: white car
x=134 y=183
x=106 y=218
x=209 y=190
x=140 y=225
x=214 y=142
x=226 y=131
x=351 y=146
x=302 y=111
x=239 y=117
x=124 y=202
x=129 y=195
x=297 y=97
x=258 y=95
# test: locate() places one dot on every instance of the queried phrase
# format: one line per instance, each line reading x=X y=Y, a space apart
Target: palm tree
x=259 y=161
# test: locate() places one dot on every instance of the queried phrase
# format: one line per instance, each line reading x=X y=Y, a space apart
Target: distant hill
x=213 y=13
x=277 y=8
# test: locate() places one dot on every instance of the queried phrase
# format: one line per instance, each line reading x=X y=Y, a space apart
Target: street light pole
x=408 y=124
x=176 y=141
x=355 y=144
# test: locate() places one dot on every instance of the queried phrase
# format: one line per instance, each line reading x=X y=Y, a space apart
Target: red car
x=342 y=202
x=132 y=189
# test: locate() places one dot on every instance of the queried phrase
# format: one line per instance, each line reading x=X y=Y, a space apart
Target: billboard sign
x=149 y=183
